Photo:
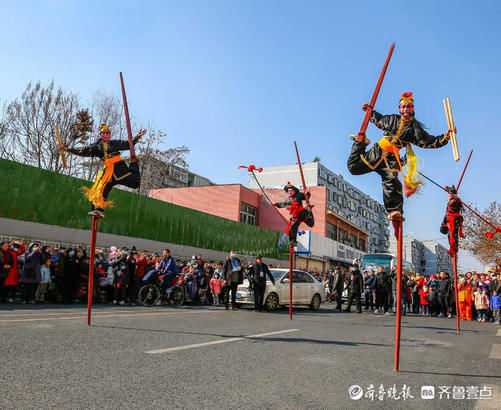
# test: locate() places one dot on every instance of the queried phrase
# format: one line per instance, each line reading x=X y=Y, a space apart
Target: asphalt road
x=198 y=358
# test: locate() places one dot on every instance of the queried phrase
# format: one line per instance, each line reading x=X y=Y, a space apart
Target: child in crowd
x=215 y=287
x=481 y=303
x=42 y=286
x=496 y=306
x=423 y=294
x=433 y=300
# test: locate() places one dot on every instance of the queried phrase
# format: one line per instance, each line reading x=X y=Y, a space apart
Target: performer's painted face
x=291 y=192
x=105 y=136
x=406 y=110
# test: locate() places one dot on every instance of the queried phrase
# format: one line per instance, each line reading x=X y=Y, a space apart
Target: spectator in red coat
x=423 y=293
x=10 y=252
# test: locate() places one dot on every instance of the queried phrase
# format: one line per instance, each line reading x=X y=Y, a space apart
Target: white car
x=306 y=290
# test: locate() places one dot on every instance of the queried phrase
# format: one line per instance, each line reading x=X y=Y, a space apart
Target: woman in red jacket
x=11 y=252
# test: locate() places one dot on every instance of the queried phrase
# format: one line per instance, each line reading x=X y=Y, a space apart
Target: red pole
x=368 y=113
x=399 y=229
x=127 y=121
x=455 y=265
x=291 y=267
x=90 y=286
x=464 y=169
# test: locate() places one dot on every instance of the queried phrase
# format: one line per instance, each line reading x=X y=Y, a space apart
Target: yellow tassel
x=411 y=176
x=95 y=193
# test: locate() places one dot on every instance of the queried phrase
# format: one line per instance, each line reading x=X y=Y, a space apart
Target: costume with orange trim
x=294 y=205
x=384 y=157
x=114 y=172
x=452 y=224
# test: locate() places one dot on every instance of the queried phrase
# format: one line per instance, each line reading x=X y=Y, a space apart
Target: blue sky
x=239 y=81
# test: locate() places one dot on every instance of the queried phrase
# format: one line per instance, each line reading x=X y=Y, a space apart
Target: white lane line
x=495 y=352
x=102 y=316
x=217 y=342
x=498 y=333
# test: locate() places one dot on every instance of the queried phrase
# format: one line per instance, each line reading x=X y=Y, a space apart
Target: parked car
x=306 y=290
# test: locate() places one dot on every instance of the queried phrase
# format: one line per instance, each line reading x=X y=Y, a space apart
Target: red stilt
x=398 y=224
x=90 y=287
x=291 y=267
x=455 y=265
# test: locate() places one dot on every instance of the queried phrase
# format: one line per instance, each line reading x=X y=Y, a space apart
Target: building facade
x=428 y=257
x=343 y=198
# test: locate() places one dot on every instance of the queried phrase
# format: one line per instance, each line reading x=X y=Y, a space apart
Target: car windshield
x=276 y=273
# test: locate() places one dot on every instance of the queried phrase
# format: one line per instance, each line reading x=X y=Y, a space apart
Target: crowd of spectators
x=35 y=274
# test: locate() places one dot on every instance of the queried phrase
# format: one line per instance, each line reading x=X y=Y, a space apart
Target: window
x=247 y=214
x=353 y=240
x=361 y=244
x=342 y=235
x=331 y=231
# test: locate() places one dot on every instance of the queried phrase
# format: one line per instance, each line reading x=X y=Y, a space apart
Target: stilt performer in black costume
x=115 y=170
x=400 y=130
x=298 y=212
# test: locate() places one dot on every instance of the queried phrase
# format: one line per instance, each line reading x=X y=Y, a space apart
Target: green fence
x=36 y=195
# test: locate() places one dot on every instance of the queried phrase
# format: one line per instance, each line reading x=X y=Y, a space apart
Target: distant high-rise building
x=342 y=198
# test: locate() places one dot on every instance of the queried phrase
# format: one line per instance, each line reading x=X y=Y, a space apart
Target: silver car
x=306 y=290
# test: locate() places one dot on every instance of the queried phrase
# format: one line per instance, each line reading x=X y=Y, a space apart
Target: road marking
x=217 y=342
x=99 y=316
x=498 y=333
x=62 y=312
x=495 y=352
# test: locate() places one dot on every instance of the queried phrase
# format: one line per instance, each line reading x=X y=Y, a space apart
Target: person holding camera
x=31 y=275
x=233 y=275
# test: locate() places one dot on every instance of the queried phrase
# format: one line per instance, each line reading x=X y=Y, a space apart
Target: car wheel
x=315 y=302
x=271 y=303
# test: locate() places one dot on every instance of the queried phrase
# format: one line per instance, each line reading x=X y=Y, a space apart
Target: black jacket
x=254 y=274
x=413 y=132
x=444 y=286
x=227 y=270
x=336 y=282
x=97 y=148
x=355 y=283
x=382 y=282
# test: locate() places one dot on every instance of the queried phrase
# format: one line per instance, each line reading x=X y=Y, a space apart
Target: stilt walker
x=114 y=172
x=400 y=131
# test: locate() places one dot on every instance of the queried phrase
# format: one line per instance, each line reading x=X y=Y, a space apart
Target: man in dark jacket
x=394 y=284
x=257 y=275
x=444 y=288
x=233 y=274
x=336 y=284
x=369 y=288
x=355 y=286
x=382 y=286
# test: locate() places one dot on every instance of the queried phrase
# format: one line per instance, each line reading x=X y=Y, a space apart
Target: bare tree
x=157 y=165
x=485 y=249
x=30 y=121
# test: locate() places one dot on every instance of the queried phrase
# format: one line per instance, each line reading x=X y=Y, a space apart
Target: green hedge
x=36 y=195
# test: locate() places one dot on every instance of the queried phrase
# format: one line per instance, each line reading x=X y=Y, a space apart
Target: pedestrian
x=31 y=274
x=423 y=294
x=369 y=290
x=465 y=297
x=44 y=283
x=11 y=252
x=495 y=306
x=257 y=275
x=382 y=285
x=355 y=287
x=232 y=277
x=444 y=288
x=481 y=304
x=336 y=286
x=215 y=287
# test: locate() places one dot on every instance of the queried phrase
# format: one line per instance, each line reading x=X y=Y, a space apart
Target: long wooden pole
x=368 y=113
x=464 y=169
x=450 y=124
x=291 y=267
x=455 y=265
x=302 y=175
x=127 y=121
x=60 y=143
x=399 y=234
x=90 y=286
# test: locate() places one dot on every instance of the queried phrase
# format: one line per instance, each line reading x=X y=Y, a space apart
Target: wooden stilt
x=455 y=265
x=291 y=267
x=398 y=224
x=90 y=287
